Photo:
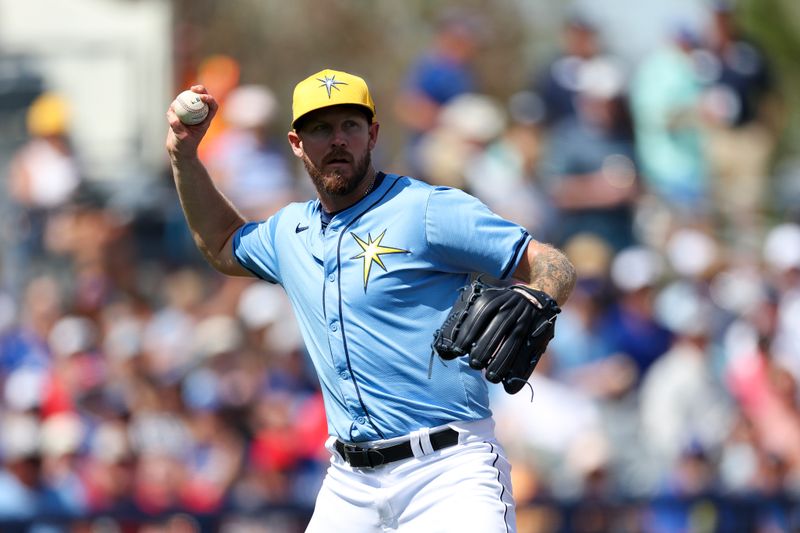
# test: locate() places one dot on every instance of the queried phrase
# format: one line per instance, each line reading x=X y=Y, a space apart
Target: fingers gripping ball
x=503 y=330
x=190 y=108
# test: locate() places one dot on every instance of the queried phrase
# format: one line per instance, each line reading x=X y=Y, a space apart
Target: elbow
x=213 y=259
x=225 y=264
x=219 y=256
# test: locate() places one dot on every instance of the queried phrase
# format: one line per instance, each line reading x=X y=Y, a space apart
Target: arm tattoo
x=553 y=273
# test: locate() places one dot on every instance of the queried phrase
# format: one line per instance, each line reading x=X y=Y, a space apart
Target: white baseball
x=190 y=108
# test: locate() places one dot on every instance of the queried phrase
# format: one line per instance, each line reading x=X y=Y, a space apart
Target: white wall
x=112 y=59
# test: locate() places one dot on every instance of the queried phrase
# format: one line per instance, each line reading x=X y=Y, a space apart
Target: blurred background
x=657 y=143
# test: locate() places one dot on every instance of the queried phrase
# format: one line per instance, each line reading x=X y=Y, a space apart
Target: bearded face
x=339 y=174
x=335 y=145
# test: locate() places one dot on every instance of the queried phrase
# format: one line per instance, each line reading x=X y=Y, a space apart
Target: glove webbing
x=462 y=316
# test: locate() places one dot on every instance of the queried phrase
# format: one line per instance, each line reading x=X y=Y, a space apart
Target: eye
x=351 y=125
x=318 y=130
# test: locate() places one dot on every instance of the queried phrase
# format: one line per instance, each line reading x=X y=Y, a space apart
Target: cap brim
x=305 y=115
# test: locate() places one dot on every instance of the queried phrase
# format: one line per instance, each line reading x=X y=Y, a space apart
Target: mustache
x=337 y=155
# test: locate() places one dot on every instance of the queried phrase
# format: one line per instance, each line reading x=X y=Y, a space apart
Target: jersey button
x=343 y=375
x=334 y=327
x=361 y=419
x=331 y=277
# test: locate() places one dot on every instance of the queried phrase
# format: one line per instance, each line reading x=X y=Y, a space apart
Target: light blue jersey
x=370 y=290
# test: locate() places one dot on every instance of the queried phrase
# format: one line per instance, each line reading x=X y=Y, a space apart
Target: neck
x=333 y=204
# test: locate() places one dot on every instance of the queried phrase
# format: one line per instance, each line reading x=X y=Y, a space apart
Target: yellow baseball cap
x=48 y=115
x=328 y=88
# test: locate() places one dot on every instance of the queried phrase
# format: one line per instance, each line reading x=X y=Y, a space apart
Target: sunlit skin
x=335 y=145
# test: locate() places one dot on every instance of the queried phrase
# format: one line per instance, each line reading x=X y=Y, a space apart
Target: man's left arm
x=506 y=330
x=547 y=269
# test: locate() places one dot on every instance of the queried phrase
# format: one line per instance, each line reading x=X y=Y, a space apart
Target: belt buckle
x=351 y=449
x=362 y=457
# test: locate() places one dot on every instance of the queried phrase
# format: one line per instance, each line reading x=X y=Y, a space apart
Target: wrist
x=178 y=158
x=539 y=298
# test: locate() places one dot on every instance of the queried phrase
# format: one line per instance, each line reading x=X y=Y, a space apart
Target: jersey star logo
x=329 y=82
x=372 y=252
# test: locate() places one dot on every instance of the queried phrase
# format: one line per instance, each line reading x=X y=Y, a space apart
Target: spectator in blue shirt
x=438 y=75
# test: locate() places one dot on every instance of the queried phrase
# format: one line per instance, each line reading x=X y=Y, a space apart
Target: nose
x=339 y=137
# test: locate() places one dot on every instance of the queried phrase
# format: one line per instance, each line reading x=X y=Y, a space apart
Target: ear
x=296 y=143
x=373 y=134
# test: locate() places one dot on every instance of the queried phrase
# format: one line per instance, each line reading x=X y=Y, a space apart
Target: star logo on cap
x=329 y=82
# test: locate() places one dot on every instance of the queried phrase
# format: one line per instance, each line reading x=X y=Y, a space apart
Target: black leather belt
x=371 y=457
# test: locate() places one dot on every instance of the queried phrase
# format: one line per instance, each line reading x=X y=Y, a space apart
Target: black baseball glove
x=503 y=329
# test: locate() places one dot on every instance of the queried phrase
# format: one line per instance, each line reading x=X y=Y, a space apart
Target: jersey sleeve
x=254 y=248
x=464 y=235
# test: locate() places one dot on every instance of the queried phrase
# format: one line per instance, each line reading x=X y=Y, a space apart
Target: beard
x=334 y=183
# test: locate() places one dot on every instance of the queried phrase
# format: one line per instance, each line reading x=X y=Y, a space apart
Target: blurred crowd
x=134 y=381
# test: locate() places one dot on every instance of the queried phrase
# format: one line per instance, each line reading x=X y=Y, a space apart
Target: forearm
x=547 y=269
x=212 y=219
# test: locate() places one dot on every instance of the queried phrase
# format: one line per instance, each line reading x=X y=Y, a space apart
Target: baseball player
x=373 y=267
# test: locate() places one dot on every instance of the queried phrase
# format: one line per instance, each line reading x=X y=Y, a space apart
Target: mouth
x=337 y=160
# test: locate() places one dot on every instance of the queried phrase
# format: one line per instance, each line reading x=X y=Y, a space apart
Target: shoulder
x=295 y=211
x=307 y=207
x=441 y=193
x=416 y=189
x=407 y=185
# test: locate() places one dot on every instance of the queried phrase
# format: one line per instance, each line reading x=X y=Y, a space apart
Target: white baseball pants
x=463 y=488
